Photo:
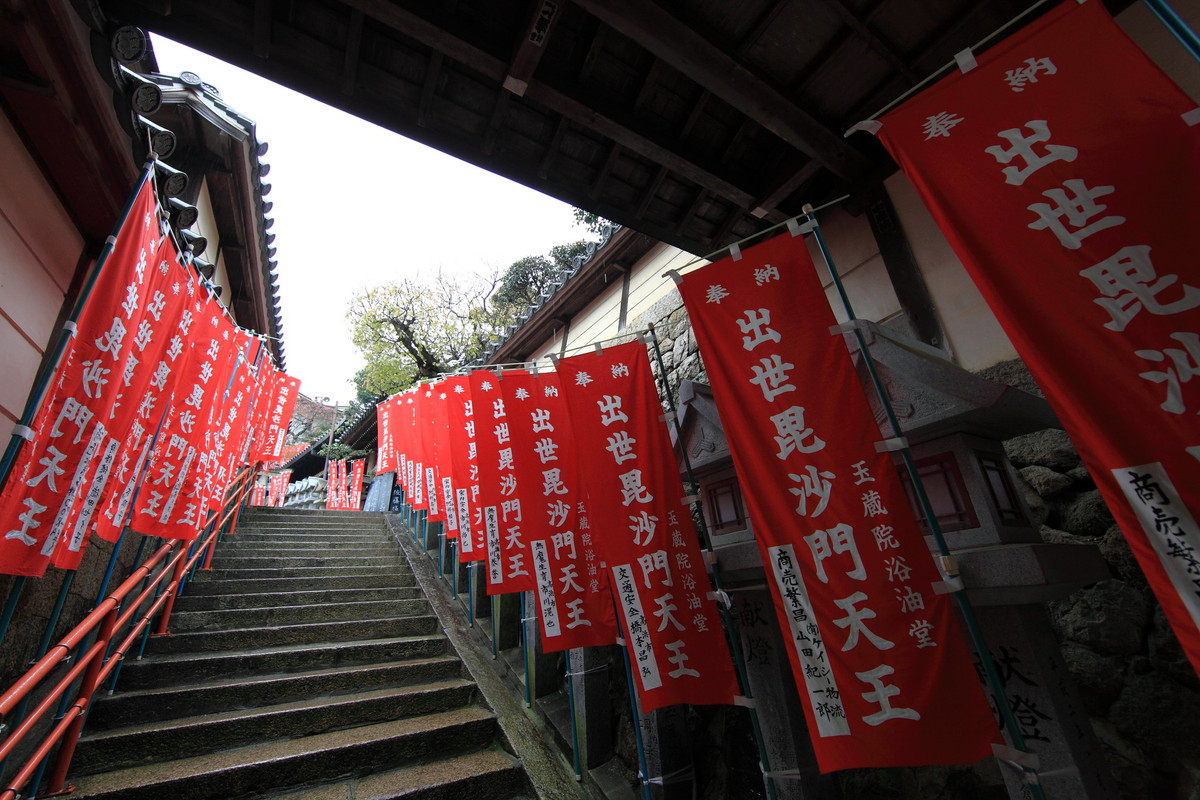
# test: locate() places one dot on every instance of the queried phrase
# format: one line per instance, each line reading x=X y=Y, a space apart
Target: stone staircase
x=306 y=665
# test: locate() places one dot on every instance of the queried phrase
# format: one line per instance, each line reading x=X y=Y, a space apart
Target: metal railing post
x=87 y=688
x=164 y=618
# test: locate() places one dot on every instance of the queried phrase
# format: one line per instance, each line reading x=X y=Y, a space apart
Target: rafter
x=545 y=14
x=876 y=42
x=262 y=28
x=683 y=48
x=353 y=46
x=427 y=89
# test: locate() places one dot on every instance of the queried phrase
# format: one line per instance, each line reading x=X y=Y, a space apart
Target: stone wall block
x=1045 y=481
x=1098 y=677
x=1116 y=552
x=1110 y=617
x=1167 y=656
x=1132 y=771
x=1048 y=448
x=1039 y=510
x=1080 y=476
x=1086 y=515
x=1161 y=715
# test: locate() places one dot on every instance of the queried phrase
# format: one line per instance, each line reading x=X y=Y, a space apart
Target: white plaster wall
x=206 y=226
x=646 y=282
x=39 y=248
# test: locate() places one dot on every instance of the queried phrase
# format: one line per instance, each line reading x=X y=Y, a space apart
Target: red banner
x=464 y=464
x=178 y=487
x=387 y=421
x=575 y=605
x=674 y=639
x=431 y=413
x=878 y=657
x=509 y=565
x=1063 y=172
x=281 y=403
x=154 y=315
x=258 y=495
x=357 y=470
x=70 y=434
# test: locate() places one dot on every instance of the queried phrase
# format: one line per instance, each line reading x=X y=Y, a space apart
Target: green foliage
x=338 y=451
x=594 y=223
x=412 y=330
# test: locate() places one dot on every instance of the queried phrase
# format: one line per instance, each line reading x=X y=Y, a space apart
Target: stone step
x=330 y=561
x=276 y=766
x=351 y=571
x=185 y=737
x=303 y=633
x=206 y=585
x=265 y=512
x=192 y=602
x=323 y=549
x=230 y=619
x=283 y=533
x=181 y=668
x=487 y=775
x=301 y=546
x=311 y=525
x=158 y=704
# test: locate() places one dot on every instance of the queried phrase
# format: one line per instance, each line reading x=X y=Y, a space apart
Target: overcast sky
x=358 y=206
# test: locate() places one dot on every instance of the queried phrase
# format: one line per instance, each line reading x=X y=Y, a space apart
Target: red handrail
x=98 y=662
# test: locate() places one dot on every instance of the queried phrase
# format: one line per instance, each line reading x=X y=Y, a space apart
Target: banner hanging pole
x=34 y=403
x=636 y=719
x=739 y=658
x=995 y=684
x=1176 y=24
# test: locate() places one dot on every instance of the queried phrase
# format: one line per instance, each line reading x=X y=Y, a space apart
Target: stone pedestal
x=1046 y=705
x=592 y=668
x=669 y=770
x=780 y=716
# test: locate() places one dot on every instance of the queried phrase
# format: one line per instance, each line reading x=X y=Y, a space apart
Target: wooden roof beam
x=614 y=153
x=427 y=89
x=353 y=46
x=532 y=45
x=873 y=40
x=683 y=48
x=444 y=43
x=765 y=207
x=560 y=130
x=262 y=28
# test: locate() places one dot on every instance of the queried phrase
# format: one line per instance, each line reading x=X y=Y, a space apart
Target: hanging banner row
x=566 y=484
x=157 y=401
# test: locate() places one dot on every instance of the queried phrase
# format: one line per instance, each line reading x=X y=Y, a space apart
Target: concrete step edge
x=460 y=776
x=229 y=770
x=276 y=708
x=249 y=601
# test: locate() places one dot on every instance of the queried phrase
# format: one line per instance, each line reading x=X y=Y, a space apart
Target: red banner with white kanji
x=574 y=603
x=674 y=639
x=284 y=389
x=464 y=469
x=881 y=665
x=70 y=440
x=1063 y=171
x=387 y=422
x=508 y=558
x=357 y=471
